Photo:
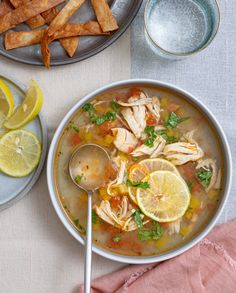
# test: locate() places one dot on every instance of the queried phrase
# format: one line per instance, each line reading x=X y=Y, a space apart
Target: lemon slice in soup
x=167 y=198
x=139 y=171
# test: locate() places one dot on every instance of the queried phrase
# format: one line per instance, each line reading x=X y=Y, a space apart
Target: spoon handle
x=88 y=252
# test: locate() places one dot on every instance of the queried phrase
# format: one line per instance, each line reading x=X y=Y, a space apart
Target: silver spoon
x=87 y=168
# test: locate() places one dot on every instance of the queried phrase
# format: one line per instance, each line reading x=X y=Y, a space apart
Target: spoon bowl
x=88 y=165
x=88 y=170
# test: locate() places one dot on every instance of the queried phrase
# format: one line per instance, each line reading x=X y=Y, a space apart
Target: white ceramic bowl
x=196 y=238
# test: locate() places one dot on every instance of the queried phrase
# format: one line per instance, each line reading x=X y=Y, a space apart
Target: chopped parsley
x=153 y=234
x=169 y=139
x=88 y=107
x=137 y=218
x=116 y=238
x=138 y=184
x=78 y=178
x=94 y=217
x=74 y=127
x=152 y=135
x=115 y=106
x=99 y=120
x=173 y=120
x=77 y=224
x=204 y=177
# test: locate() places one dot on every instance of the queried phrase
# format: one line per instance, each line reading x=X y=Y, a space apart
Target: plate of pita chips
x=59 y=32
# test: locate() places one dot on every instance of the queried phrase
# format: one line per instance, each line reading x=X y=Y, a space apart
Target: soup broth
x=172 y=136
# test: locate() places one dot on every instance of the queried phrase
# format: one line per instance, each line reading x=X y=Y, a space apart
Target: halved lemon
x=140 y=170
x=6 y=102
x=28 y=110
x=20 y=152
x=167 y=199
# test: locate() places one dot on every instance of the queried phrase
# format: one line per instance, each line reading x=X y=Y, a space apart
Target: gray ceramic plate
x=124 y=11
x=13 y=189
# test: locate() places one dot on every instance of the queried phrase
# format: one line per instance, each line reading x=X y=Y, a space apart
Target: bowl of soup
x=169 y=176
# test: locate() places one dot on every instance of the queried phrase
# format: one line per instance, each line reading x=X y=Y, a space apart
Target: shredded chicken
x=158 y=146
x=125 y=124
x=155 y=108
x=96 y=103
x=159 y=127
x=174 y=227
x=124 y=141
x=121 y=218
x=135 y=114
x=135 y=118
x=187 y=150
x=119 y=179
x=136 y=101
x=210 y=165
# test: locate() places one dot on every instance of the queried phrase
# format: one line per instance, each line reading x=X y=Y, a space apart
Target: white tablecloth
x=37 y=254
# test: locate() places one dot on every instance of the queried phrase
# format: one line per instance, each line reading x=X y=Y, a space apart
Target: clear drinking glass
x=176 y=29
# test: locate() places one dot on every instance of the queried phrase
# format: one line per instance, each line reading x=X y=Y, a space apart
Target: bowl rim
x=139 y=259
x=174 y=54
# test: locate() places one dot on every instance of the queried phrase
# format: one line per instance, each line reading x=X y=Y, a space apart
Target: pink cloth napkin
x=208 y=267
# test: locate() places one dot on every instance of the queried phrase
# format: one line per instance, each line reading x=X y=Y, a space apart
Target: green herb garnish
x=137 y=218
x=173 y=120
x=94 y=217
x=116 y=238
x=74 y=127
x=150 y=130
x=169 y=139
x=94 y=118
x=190 y=184
x=110 y=116
x=138 y=184
x=115 y=106
x=78 y=178
x=204 y=177
x=153 y=234
x=88 y=107
x=76 y=222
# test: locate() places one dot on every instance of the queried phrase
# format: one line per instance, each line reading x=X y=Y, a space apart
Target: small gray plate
x=13 y=189
x=123 y=10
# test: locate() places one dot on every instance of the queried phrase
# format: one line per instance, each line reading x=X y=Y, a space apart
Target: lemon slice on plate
x=20 y=152
x=6 y=102
x=167 y=198
x=140 y=170
x=28 y=110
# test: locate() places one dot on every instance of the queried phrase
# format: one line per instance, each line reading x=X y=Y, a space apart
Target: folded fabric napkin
x=208 y=267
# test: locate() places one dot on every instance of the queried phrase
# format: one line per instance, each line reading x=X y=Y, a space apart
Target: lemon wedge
x=28 y=110
x=142 y=169
x=6 y=102
x=167 y=199
x=20 y=152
